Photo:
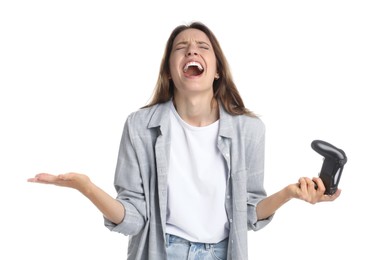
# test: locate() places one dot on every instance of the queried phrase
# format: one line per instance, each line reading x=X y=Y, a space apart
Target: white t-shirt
x=196 y=183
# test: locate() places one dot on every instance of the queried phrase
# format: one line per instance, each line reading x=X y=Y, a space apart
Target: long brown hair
x=224 y=88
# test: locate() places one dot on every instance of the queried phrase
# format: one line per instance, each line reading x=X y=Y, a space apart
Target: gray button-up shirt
x=141 y=179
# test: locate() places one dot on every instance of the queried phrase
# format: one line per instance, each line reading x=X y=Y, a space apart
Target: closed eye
x=180 y=46
x=203 y=45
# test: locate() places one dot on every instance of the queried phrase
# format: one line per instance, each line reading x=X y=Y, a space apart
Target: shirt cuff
x=131 y=224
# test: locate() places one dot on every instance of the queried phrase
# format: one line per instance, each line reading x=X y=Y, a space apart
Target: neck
x=197 y=111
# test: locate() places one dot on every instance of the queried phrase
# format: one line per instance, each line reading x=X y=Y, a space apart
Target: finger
x=34 y=179
x=319 y=183
x=44 y=178
x=303 y=184
x=310 y=184
x=37 y=180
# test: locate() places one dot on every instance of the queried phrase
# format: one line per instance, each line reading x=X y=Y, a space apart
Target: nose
x=190 y=53
x=191 y=50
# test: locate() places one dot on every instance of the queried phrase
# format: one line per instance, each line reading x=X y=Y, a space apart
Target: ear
x=216 y=76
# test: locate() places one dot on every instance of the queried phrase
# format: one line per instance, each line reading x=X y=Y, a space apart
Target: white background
x=71 y=71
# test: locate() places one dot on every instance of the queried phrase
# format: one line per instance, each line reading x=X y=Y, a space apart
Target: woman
x=189 y=176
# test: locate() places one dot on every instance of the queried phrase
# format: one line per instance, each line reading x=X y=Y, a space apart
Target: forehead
x=191 y=34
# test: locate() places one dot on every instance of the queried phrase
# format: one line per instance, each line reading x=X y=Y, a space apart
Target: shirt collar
x=160 y=118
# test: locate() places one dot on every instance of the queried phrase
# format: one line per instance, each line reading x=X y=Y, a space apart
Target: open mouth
x=193 y=68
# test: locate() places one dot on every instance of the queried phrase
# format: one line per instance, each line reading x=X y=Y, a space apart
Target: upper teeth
x=193 y=63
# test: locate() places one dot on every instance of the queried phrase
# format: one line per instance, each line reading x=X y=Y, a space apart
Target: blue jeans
x=182 y=249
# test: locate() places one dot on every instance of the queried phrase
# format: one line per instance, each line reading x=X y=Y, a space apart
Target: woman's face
x=192 y=63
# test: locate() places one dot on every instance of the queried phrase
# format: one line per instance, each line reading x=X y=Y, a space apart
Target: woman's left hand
x=311 y=190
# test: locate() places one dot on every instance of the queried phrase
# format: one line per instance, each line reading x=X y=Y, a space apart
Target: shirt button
x=228 y=197
x=230 y=220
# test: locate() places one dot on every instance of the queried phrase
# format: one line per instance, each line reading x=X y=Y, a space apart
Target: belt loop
x=167 y=240
x=207 y=246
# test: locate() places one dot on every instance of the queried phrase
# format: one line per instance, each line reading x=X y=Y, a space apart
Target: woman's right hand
x=73 y=180
x=111 y=208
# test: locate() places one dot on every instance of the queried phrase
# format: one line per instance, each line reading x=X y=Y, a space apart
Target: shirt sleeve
x=255 y=182
x=129 y=187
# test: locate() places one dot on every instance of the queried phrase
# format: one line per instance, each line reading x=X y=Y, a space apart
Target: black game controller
x=334 y=160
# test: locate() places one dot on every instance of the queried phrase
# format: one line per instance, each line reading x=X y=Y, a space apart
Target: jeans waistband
x=169 y=238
